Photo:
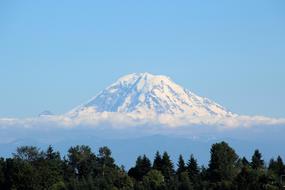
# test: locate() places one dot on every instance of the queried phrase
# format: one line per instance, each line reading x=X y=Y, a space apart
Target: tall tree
x=154 y=180
x=256 y=161
x=81 y=159
x=157 y=162
x=181 y=165
x=193 y=168
x=223 y=162
x=106 y=162
x=2 y=177
x=167 y=167
x=184 y=182
x=142 y=167
x=28 y=153
x=277 y=166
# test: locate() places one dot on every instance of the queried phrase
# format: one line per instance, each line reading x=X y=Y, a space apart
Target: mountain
x=45 y=113
x=143 y=95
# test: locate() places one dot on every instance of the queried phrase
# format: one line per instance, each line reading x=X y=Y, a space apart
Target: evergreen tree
x=184 y=182
x=2 y=177
x=33 y=169
x=154 y=180
x=142 y=167
x=277 y=166
x=167 y=167
x=256 y=160
x=181 y=165
x=49 y=169
x=193 y=168
x=222 y=166
x=81 y=160
x=157 y=162
x=105 y=162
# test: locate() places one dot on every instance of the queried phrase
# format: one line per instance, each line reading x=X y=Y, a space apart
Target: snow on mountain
x=143 y=99
x=145 y=96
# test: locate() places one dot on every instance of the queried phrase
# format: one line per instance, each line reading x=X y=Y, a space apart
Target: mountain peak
x=145 y=94
x=147 y=77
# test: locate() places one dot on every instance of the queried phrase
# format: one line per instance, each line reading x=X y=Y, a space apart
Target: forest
x=30 y=168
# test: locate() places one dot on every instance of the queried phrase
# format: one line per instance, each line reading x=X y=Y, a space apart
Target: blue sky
x=55 y=54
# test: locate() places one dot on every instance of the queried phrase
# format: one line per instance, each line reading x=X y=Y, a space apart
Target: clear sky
x=57 y=54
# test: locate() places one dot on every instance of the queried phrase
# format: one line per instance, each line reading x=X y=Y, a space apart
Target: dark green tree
x=181 y=165
x=256 y=161
x=2 y=176
x=193 y=168
x=277 y=166
x=222 y=166
x=105 y=162
x=154 y=180
x=81 y=160
x=28 y=153
x=49 y=169
x=184 y=182
x=194 y=172
x=157 y=162
x=142 y=167
x=167 y=167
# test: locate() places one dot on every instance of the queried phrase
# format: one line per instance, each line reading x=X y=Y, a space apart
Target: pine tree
x=277 y=166
x=167 y=167
x=142 y=167
x=181 y=165
x=256 y=160
x=2 y=177
x=193 y=168
x=223 y=163
x=157 y=162
x=184 y=182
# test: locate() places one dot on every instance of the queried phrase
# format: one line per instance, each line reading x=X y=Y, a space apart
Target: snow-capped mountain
x=146 y=95
x=143 y=99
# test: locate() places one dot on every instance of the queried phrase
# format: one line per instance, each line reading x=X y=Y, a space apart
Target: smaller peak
x=45 y=113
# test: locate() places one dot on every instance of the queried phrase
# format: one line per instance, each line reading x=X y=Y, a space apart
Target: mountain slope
x=145 y=95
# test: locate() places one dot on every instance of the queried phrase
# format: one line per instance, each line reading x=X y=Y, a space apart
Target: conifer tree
x=157 y=162
x=256 y=160
x=181 y=165
x=167 y=167
x=223 y=163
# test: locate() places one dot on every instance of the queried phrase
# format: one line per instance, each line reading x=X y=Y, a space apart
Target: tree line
x=81 y=169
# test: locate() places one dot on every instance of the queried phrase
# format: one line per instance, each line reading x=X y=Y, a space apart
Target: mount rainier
x=147 y=94
x=143 y=98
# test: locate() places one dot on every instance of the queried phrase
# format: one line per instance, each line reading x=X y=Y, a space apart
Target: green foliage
x=143 y=166
x=184 y=182
x=157 y=163
x=181 y=165
x=277 y=166
x=193 y=169
x=154 y=180
x=33 y=169
x=223 y=163
x=2 y=176
x=167 y=169
x=256 y=160
x=81 y=161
